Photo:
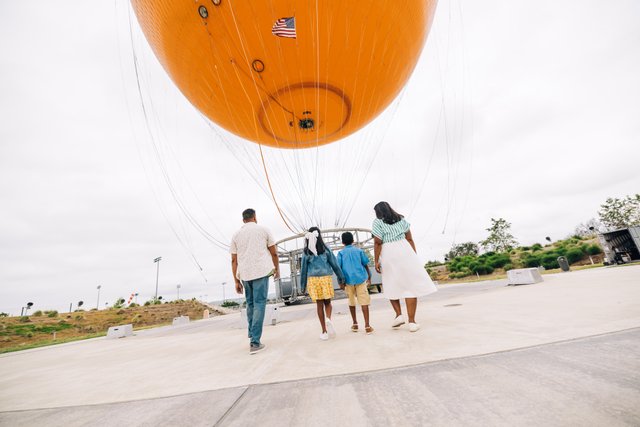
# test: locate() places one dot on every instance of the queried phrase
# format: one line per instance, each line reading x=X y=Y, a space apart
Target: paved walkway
x=549 y=353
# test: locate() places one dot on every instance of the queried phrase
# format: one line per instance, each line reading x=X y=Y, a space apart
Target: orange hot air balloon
x=288 y=73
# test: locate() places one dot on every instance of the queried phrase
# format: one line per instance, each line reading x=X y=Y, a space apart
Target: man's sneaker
x=330 y=329
x=413 y=327
x=398 y=321
x=324 y=336
x=253 y=349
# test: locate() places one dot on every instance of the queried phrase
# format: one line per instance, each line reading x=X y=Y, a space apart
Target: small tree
x=462 y=249
x=500 y=239
x=620 y=213
x=587 y=229
x=119 y=303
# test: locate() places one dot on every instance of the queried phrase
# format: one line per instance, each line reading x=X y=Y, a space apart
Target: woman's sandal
x=368 y=330
x=354 y=327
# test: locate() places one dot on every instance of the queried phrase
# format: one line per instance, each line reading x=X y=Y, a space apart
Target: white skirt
x=403 y=275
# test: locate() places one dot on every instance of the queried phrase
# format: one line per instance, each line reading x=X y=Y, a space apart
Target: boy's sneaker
x=398 y=321
x=324 y=336
x=330 y=329
x=253 y=349
x=368 y=330
x=413 y=327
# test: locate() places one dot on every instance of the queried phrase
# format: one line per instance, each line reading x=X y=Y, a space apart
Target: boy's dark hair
x=248 y=214
x=347 y=238
x=319 y=243
x=385 y=212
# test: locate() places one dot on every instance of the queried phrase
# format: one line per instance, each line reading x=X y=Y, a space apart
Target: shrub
x=532 y=261
x=574 y=255
x=24 y=319
x=499 y=260
x=147 y=303
x=37 y=313
x=121 y=311
x=549 y=261
x=79 y=317
x=137 y=318
x=52 y=313
x=594 y=250
x=508 y=267
x=133 y=304
x=482 y=269
x=230 y=304
x=525 y=248
x=536 y=247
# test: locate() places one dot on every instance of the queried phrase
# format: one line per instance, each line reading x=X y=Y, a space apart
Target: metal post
x=178 y=287
x=70 y=307
x=223 y=296
x=98 y=302
x=157 y=261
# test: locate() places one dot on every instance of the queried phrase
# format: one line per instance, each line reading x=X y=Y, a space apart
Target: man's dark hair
x=248 y=214
x=347 y=238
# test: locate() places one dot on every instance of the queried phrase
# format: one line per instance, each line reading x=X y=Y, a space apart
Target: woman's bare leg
x=395 y=303
x=412 y=304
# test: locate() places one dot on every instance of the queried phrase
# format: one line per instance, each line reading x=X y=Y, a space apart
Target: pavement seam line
x=233 y=405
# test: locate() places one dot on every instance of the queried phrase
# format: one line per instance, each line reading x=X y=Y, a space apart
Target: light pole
x=98 y=302
x=25 y=310
x=223 y=298
x=178 y=287
x=157 y=261
x=136 y=295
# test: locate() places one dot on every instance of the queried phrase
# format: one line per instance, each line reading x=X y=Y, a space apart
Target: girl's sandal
x=368 y=330
x=354 y=328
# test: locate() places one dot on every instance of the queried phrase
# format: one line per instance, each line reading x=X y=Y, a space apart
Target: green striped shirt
x=389 y=232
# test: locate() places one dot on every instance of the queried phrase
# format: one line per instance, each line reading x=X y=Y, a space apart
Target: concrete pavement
x=205 y=365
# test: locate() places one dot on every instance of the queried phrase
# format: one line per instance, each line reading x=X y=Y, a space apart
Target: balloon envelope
x=288 y=73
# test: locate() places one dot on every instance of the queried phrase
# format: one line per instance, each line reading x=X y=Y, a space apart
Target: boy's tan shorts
x=359 y=292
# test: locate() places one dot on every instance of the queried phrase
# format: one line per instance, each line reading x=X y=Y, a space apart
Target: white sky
x=542 y=108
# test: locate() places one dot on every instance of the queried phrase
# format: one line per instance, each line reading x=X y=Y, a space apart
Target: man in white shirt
x=253 y=260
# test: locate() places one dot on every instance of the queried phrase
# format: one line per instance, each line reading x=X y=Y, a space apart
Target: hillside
x=40 y=328
x=579 y=252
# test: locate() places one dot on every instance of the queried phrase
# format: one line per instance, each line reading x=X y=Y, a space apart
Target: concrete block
x=205 y=314
x=524 y=276
x=270 y=315
x=120 y=331
x=182 y=320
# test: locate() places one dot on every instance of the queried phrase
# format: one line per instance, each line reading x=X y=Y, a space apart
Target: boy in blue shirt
x=354 y=264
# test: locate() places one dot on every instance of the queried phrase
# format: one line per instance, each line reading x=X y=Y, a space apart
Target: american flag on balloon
x=285 y=27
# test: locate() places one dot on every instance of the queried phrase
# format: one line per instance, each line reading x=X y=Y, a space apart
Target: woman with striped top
x=403 y=275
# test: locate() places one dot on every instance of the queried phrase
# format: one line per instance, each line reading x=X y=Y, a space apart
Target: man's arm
x=234 y=270
x=276 y=263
